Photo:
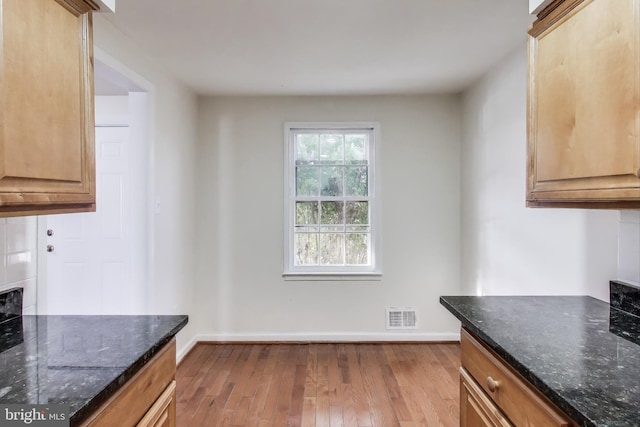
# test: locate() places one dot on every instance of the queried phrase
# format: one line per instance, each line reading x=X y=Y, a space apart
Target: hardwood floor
x=375 y=385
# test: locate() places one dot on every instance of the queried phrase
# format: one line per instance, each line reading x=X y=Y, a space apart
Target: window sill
x=331 y=277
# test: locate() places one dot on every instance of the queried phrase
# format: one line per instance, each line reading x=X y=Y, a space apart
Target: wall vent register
x=401 y=318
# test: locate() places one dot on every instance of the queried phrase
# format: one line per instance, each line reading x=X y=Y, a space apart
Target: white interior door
x=89 y=257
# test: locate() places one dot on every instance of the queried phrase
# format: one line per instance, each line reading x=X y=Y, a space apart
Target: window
x=331 y=200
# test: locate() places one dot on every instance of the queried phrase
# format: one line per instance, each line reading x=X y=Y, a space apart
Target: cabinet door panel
x=584 y=102
x=41 y=113
x=149 y=395
x=46 y=114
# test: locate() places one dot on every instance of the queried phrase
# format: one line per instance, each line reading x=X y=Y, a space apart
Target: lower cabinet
x=493 y=394
x=163 y=412
x=148 y=399
x=476 y=409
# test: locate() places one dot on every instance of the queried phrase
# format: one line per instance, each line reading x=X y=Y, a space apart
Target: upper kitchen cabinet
x=47 y=161
x=584 y=105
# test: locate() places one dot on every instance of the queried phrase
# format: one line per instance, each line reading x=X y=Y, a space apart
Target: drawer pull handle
x=492 y=384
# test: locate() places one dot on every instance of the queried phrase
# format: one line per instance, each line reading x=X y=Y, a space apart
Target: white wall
x=107 y=6
x=18 y=258
x=535 y=6
x=173 y=129
x=507 y=248
x=629 y=247
x=242 y=294
x=112 y=109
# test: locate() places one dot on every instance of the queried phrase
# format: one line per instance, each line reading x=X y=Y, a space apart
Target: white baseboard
x=331 y=337
x=182 y=352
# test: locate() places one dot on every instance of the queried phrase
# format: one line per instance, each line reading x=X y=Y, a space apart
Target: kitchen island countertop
x=78 y=361
x=580 y=352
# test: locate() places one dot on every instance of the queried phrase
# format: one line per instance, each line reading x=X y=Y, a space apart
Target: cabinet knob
x=492 y=384
x=50 y=248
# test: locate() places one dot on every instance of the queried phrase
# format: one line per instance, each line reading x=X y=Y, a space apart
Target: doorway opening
x=98 y=262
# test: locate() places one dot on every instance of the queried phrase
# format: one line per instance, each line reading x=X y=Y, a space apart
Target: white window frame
x=368 y=272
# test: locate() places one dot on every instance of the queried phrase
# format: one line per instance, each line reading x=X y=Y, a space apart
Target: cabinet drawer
x=518 y=400
x=476 y=409
x=163 y=412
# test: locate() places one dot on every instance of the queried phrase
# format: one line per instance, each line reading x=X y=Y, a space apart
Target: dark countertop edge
x=548 y=392
x=99 y=399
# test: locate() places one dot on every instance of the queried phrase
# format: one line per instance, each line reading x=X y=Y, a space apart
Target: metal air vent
x=401 y=318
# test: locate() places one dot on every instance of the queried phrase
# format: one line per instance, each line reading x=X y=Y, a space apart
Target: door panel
x=89 y=270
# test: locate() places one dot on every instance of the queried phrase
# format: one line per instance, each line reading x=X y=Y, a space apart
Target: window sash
x=344 y=232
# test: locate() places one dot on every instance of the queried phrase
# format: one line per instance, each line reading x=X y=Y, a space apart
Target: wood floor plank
x=241 y=412
x=432 y=388
x=322 y=388
x=382 y=413
x=363 y=411
x=391 y=384
x=285 y=391
x=240 y=376
x=311 y=380
x=185 y=410
x=406 y=369
x=334 y=383
x=422 y=377
x=219 y=388
x=309 y=412
x=448 y=361
x=349 y=412
x=198 y=354
x=271 y=403
x=256 y=371
x=319 y=385
x=189 y=402
x=187 y=384
x=266 y=365
x=211 y=412
x=297 y=397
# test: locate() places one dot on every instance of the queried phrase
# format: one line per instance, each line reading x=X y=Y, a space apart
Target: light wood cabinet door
x=47 y=161
x=149 y=396
x=584 y=105
x=476 y=409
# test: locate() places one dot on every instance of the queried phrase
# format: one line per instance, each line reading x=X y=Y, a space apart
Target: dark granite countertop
x=578 y=351
x=79 y=361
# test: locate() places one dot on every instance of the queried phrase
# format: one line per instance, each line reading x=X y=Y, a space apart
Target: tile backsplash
x=629 y=247
x=18 y=258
